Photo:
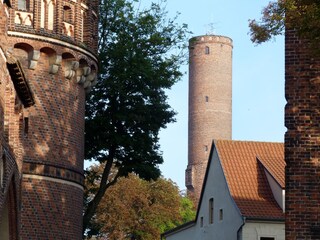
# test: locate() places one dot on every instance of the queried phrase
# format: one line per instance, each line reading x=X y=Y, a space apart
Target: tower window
x=267 y=238
x=206 y=148
x=207 y=50
x=201 y=222
x=67 y=14
x=2 y=170
x=207 y=99
x=211 y=210
x=26 y=126
x=7 y=2
x=23 y=4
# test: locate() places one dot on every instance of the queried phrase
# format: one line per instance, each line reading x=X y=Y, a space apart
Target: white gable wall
x=253 y=231
x=217 y=188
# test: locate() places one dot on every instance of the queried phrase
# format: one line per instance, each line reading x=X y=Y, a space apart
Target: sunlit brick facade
x=210 y=102
x=48 y=63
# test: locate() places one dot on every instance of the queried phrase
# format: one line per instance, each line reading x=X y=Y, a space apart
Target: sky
x=258 y=79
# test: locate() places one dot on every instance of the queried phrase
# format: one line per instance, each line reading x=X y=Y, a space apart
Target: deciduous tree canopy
x=138 y=208
x=140 y=52
x=301 y=15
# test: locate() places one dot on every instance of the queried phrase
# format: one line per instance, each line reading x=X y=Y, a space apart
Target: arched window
x=207 y=51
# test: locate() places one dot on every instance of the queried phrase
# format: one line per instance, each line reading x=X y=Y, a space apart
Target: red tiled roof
x=246 y=178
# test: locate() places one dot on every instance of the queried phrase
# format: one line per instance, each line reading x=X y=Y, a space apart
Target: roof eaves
x=265 y=219
x=178 y=229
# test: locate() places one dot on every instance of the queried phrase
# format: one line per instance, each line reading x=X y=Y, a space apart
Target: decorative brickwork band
x=53 y=171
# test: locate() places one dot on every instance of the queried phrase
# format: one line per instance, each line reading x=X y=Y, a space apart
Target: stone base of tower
x=51 y=208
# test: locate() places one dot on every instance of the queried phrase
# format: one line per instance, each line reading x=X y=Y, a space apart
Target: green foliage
x=140 y=208
x=140 y=52
x=300 y=15
x=128 y=107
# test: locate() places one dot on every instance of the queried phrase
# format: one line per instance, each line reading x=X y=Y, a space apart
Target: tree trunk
x=302 y=139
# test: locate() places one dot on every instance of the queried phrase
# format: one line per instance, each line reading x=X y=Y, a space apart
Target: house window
x=221 y=214
x=201 y=222
x=207 y=50
x=267 y=238
x=211 y=210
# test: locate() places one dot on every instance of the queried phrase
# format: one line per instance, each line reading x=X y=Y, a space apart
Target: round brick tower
x=210 y=103
x=54 y=43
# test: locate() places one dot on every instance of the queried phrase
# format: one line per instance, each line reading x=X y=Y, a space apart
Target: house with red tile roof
x=242 y=195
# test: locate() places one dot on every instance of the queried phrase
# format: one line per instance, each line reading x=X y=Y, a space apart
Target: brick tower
x=210 y=102
x=51 y=55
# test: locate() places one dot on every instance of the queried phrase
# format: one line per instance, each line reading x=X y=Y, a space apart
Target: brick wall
x=302 y=139
x=46 y=140
x=9 y=172
x=210 y=102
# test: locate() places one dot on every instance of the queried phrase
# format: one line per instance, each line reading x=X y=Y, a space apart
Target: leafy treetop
x=300 y=15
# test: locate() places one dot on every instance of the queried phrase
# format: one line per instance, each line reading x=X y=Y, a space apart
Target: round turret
x=55 y=44
x=210 y=102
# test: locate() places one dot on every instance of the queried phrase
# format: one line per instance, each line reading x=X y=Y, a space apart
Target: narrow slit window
x=206 y=148
x=211 y=210
x=26 y=126
x=207 y=50
x=221 y=214
x=2 y=170
x=267 y=238
x=207 y=98
x=201 y=222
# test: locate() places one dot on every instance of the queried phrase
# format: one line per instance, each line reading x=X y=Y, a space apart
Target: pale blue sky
x=258 y=79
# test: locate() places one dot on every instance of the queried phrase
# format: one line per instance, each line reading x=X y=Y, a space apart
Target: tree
x=138 y=208
x=301 y=21
x=301 y=15
x=140 y=51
